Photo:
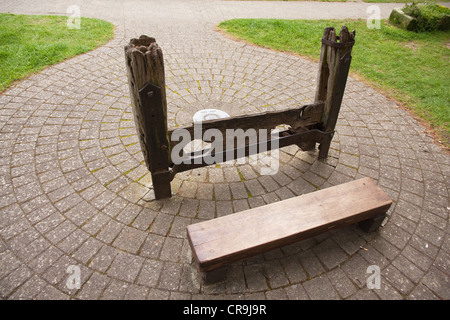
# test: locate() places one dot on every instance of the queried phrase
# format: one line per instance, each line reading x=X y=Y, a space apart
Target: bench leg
x=214 y=276
x=372 y=224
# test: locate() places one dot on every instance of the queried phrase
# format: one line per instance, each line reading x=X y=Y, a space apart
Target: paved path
x=74 y=190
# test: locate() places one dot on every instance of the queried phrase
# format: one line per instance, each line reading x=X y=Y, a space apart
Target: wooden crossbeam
x=296 y=117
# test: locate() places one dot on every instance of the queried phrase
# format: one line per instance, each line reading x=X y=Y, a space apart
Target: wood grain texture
x=145 y=64
x=334 y=66
x=226 y=239
x=295 y=117
x=146 y=81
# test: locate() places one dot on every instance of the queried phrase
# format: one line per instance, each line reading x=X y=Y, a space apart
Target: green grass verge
x=402 y=1
x=28 y=44
x=301 y=0
x=411 y=67
x=374 y=1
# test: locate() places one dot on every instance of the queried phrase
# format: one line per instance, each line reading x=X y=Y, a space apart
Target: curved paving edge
x=74 y=190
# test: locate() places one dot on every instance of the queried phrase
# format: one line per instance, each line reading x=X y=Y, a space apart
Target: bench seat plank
x=220 y=241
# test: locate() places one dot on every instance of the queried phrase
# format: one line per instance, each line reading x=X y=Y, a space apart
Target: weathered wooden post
x=146 y=80
x=334 y=65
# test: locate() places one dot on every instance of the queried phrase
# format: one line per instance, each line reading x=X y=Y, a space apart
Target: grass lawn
x=28 y=44
x=299 y=0
x=413 y=68
x=399 y=1
x=392 y=1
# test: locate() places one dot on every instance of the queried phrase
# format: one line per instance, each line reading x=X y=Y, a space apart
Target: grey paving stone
x=51 y=293
x=387 y=292
x=23 y=239
x=430 y=233
x=188 y=189
x=190 y=280
x=388 y=250
x=293 y=268
x=356 y=270
x=170 y=276
x=103 y=258
x=150 y=273
x=441 y=261
x=205 y=191
x=224 y=208
x=254 y=187
x=255 y=278
x=222 y=192
x=438 y=282
x=94 y=287
x=320 y=288
x=33 y=249
x=125 y=267
x=43 y=261
x=81 y=213
x=296 y=292
x=116 y=290
x=239 y=191
x=342 y=284
x=330 y=254
x=144 y=220
x=87 y=250
x=235 y=279
x=57 y=272
x=156 y=294
x=162 y=224
x=240 y=205
x=178 y=228
x=171 y=249
x=408 y=268
x=398 y=280
x=189 y=207
x=275 y=275
x=13 y=280
x=96 y=223
x=110 y=231
x=136 y=293
x=14 y=229
x=29 y=290
x=365 y=294
x=130 y=239
x=421 y=292
x=276 y=294
x=152 y=246
x=311 y=264
x=128 y=214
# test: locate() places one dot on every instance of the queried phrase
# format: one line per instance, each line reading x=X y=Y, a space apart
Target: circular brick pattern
x=75 y=189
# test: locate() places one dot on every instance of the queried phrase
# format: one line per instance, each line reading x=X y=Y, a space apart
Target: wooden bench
x=218 y=242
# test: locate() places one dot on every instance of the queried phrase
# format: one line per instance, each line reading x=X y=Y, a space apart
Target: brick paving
x=74 y=189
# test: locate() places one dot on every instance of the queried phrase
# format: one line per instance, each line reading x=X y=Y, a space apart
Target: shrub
x=429 y=17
